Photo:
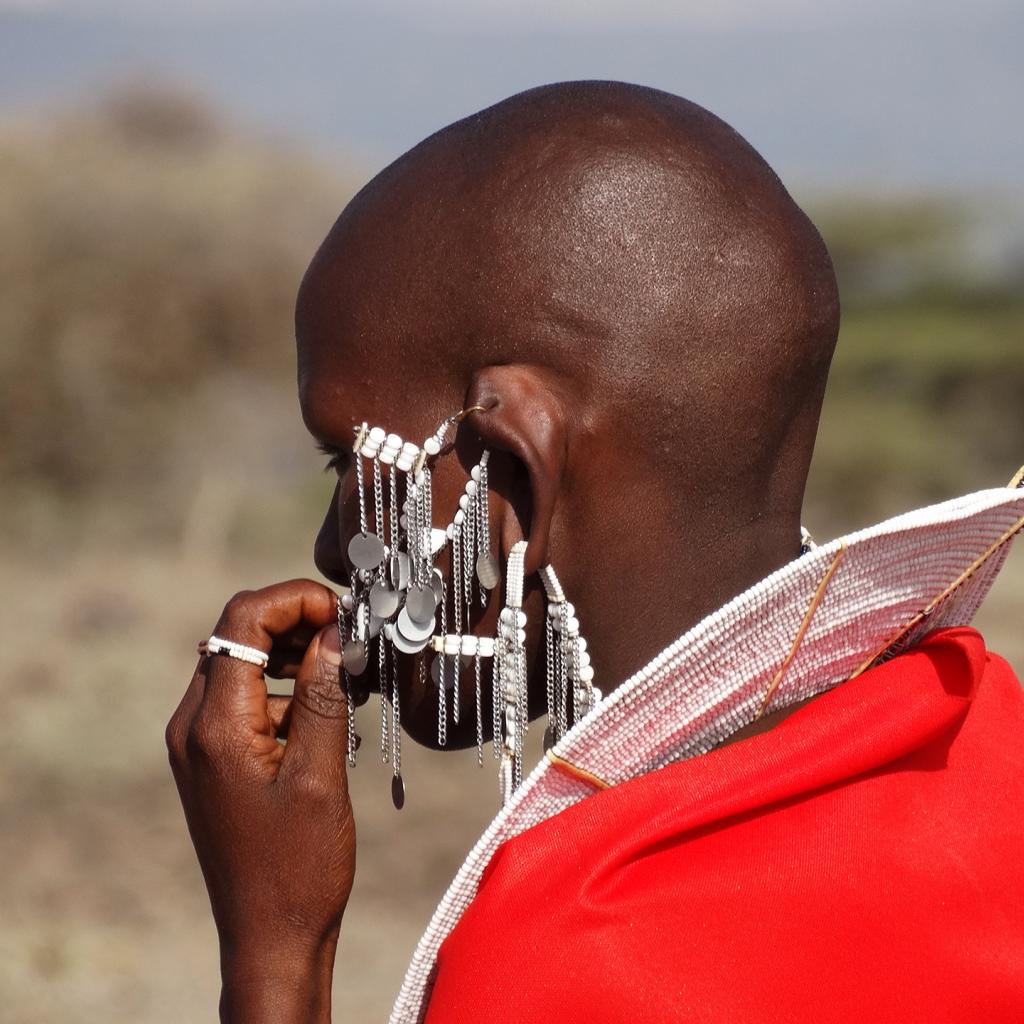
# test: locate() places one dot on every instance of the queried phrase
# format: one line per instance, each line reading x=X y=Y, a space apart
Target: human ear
x=522 y=414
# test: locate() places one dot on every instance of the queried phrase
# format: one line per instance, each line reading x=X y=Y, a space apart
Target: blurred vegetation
x=924 y=400
x=147 y=279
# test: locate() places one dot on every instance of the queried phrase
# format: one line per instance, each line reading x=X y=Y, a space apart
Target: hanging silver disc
x=411 y=629
x=487 y=570
x=398 y=570
x=366 y=551
x=420 y=603
x=376 y=624
x=437 y=584
x=383 y=600
x=354 y=653
x=408 y=646
x=397 y=791
x=449 y=666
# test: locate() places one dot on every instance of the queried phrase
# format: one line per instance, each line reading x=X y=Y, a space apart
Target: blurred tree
x=148 y=249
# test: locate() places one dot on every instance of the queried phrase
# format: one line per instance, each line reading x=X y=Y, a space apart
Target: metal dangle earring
x=382 y=579
x=468 y=539
x=396 y=592
x=568 y=672
x=510 y=676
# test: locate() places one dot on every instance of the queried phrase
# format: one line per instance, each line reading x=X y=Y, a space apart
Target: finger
x=279 y=711
x=255 y=618
x=176 y=734
x=288 y=651
x=279 y=706
x=317 y=731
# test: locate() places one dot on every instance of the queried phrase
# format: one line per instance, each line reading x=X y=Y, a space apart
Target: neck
x=637 y=590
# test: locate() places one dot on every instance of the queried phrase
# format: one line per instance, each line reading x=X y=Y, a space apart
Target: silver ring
x=241 y=652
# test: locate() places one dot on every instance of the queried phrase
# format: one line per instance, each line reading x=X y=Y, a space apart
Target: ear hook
x=473 y=408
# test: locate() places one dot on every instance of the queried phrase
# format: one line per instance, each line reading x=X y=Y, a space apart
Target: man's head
x=643 y=309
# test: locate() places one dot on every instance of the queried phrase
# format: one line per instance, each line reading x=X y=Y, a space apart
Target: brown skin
x=647 y=318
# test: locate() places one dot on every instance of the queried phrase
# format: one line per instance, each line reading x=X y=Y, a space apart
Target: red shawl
x=863 y=861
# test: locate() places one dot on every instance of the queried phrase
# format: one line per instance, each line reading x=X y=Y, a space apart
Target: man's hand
x=271 y=822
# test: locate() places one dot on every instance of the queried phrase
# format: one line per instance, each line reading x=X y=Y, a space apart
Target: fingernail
x=330 y=647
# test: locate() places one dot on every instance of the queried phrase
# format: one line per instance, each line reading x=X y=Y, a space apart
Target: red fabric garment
x=863 y=861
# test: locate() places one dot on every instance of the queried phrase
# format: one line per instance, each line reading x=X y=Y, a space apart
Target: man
x=641 y=321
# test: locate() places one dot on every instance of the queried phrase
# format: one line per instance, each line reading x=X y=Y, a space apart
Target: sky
x=904 y=94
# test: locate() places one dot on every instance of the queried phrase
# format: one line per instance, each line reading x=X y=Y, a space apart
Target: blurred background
x=166 y=172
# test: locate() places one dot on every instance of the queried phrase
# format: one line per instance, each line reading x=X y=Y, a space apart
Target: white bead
x=464 y=502
x=438 y=538
x=520 y=617
x=450 y=531
x=554 y=611
x=573 y=626
x=475 y=473
x=431 y=446
x=460 y=517
x=486 y=647
x=451 y=644
x=389 y=631
x=403 y=521
x=584 y=659
x=521 y=636
x=586 y=674
x=471 y=488
x=469 y=645
x=410 y=449
x=346 y=602
x=403 y=463
x=377 y=435
x=581 y=644
x=507 y=615
x=367 y=451
x=394 y=441
x=387 y=456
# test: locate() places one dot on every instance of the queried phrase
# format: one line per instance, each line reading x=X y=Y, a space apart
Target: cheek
x=327 y=548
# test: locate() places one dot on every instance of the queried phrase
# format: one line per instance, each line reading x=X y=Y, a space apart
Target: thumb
x=317 y=733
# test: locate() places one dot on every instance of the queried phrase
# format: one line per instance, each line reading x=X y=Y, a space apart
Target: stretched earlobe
x=521 y=414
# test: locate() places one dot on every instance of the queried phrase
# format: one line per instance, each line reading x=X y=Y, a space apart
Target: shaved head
x=624 y=237
x=633 y=259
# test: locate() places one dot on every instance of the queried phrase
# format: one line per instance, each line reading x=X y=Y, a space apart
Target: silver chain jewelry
x=361 y=491
x=382 y=678
x=477 y=672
